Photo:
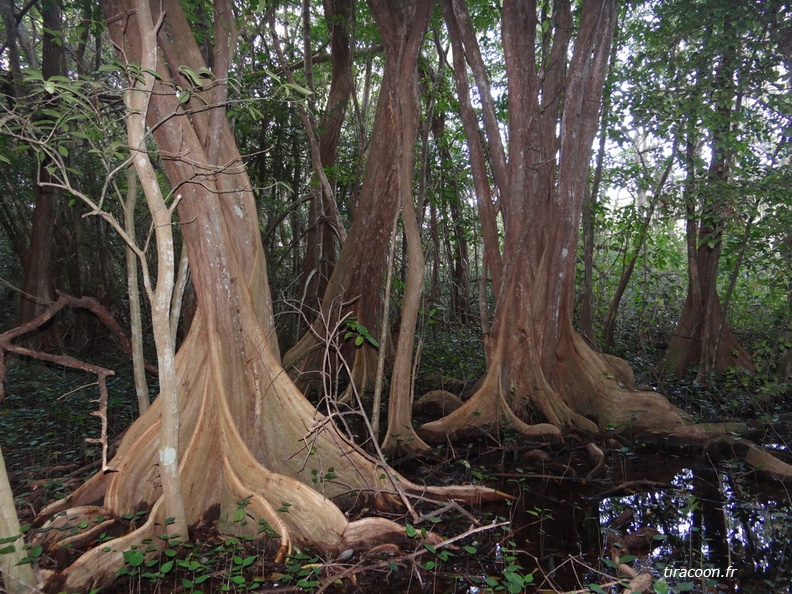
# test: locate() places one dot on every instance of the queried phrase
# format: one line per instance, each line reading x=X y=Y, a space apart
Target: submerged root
x=722 y=440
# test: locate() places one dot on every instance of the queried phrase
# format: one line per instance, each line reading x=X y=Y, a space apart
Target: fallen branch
x=88 y=303
x=101 y=373
x=633 y=487
x=359 y=568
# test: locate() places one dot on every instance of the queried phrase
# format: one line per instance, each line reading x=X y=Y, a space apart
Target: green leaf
x=596 y=588
x=409 y=530
x=191 y=75
x=134 y=558
x=166 y=567
x=249 y=561
x=661 y=586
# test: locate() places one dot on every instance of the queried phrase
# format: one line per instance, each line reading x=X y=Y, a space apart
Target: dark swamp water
x=681 y=519
x=694 y=525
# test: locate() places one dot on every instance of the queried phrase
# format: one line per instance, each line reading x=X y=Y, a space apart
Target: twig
x=409 y=557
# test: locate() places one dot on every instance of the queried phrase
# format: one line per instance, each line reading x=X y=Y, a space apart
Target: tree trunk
x=321 y=235
x=702 y=340
x=37 y=284
x=17 y=579
x=540 y=369
x=243 y=422
x=355 y=288
x=133 y=289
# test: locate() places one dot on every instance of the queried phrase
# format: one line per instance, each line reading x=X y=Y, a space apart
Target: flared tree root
x=276 y=458
x=591 y=393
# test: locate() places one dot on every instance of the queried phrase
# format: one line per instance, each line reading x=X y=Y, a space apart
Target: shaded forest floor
x=646 y=512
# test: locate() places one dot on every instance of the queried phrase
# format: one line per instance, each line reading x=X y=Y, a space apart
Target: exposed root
x=273 y=455
x=597 y=458
x=437 y=402
x=690 y=438
x=99 y=565
x=487 y=409
x=721 y=440
x=763 y=463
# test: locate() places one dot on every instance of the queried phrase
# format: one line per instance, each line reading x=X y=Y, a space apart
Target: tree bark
x=133 y=289
x=321 y=237
x=138 y=100
x=702 y=340
x=355 y=288
x=540 y=369
x=17 y=579
x=38 y=289
x=242 y=420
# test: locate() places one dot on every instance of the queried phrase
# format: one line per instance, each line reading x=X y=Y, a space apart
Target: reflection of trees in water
x=716 y=518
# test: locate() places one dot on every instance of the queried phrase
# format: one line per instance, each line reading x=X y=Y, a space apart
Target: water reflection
x=715 y=520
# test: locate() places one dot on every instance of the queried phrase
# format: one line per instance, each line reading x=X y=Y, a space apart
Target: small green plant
x=316 y=478
x=359 y=332
x=303 y=570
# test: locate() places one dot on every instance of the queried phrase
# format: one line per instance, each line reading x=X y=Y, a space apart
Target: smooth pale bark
x=133 y=289
x=138 y=98
x=400 y=433
x=17 y=579
x=179 y=290
x=242 y=420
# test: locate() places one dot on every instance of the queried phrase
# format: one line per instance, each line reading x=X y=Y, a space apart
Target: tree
x=37 y=286
x=702 y=339
x=242 y=420
x=17 y=577
x=321 y=236
x=354 y=291
x=538 y=363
